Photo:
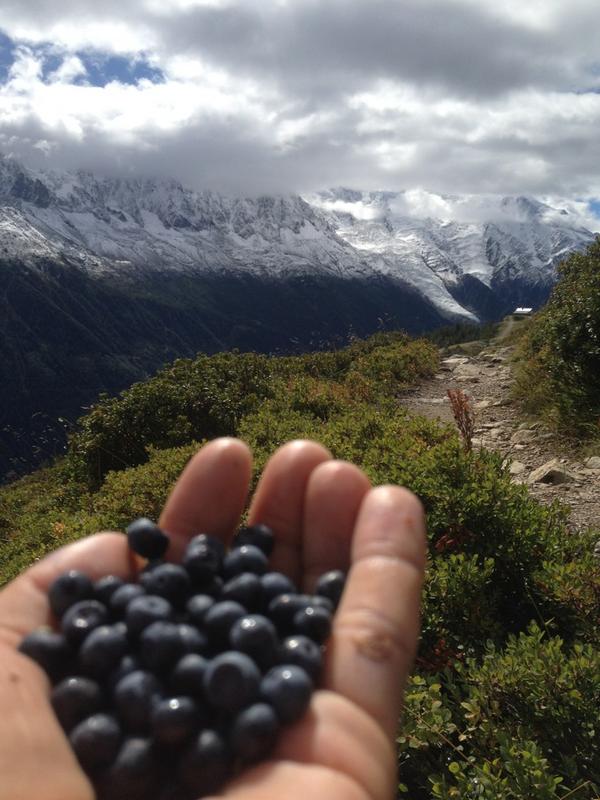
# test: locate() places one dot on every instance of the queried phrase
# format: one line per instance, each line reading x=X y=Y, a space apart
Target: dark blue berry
x=69 y=589
x=303 y=652
x=121 y=598
x=175 y=719
x=82 y=618
x=318 y=601
x=106 y=587
x=74 y=699
x=161 y=646
x=313 y=622
x=260 y=536
x=219 y=619
x=256 y=636
x=274 y=584
x=144 y=610
x=103 y=649
x=188 y=676
x=128 y=664
x=135 y=773
x=254 y=732
x=288 y=689
x=231 y=681
x=331 y=586
x=134 y=697
x=247 y=558
x=170 y=581
x=205 y=764
x=245 y=589
x=197 y=606
x=95 y=741
x=283 y=609
x=50 y=650
x=146 y=539
x=192 y=639
x=203 y=558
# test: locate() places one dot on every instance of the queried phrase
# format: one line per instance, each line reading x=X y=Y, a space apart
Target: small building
x=522 y=312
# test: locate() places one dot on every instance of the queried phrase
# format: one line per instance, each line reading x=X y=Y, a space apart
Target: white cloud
x=450 y=95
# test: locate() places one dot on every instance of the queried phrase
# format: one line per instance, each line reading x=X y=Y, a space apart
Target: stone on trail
x=593 y=462
x=552 y=472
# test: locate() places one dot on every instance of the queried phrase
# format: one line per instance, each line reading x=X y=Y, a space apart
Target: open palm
x=325 y=516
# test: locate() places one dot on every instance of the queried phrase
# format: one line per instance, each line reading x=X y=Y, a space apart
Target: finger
x=377 y=623
x=279 y=500
x=210 y=495
x=333 y=497
x=24 y=602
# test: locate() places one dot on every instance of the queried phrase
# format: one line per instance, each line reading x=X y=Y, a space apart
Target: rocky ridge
x=549 y=465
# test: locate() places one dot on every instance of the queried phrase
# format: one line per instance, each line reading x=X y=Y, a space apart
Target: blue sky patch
x=6 y=56
x=101 y=68
x=595 y=207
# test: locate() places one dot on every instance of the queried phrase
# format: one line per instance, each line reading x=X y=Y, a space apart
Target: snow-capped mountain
x=468 y=257
x=442 y=245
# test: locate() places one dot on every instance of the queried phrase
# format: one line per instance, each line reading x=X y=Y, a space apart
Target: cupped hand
x=325 y=516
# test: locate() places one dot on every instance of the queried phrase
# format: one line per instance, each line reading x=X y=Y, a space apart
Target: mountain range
x=104 y=279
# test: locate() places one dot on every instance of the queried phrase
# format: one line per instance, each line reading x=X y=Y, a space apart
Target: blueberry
x=74 y=699
x=260 y=536
x=50 y=650
x=203 y=558
x=247 y=558
x=174 y=720
x=134 y=697
x=303 y=652
x=103 y=649
x=161 y=646
x=245 y=589
x=95 y=741
x=219 y=619
x=144 y=610
x=146 y=539
x=128 y=664
x=82 y=618
x=331 y=586
x=318 y=601
x=122 y=596
x=313 y=622
x=188 y=676
x=288 y=689
x=256 y=636
x=170 y=581
x=69 y=589
x=231 y=681
x=197 y=606
x=106 y=587
x=192 y=639
x=283 y=609
x=274 y=584
x=205 y=764
x=135 y=773
x=254 y=732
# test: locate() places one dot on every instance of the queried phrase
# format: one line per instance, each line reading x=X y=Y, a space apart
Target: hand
x=326 y=516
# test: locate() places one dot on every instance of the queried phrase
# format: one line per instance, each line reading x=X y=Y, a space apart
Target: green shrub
x=560 y=354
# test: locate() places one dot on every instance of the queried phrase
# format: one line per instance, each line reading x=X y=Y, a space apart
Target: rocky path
x=537 y=457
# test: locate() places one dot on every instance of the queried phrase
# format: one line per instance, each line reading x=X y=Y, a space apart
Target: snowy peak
x=431 y=242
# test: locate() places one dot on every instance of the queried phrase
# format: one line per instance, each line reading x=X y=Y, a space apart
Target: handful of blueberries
x=168 y=687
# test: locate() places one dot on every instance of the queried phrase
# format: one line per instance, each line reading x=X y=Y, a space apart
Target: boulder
x=593 y=462
x=517 y=468
x=552 y=472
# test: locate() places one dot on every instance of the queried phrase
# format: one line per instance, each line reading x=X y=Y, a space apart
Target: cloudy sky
x=248 y=96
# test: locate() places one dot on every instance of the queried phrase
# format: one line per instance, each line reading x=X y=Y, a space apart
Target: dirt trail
x=486 y=378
